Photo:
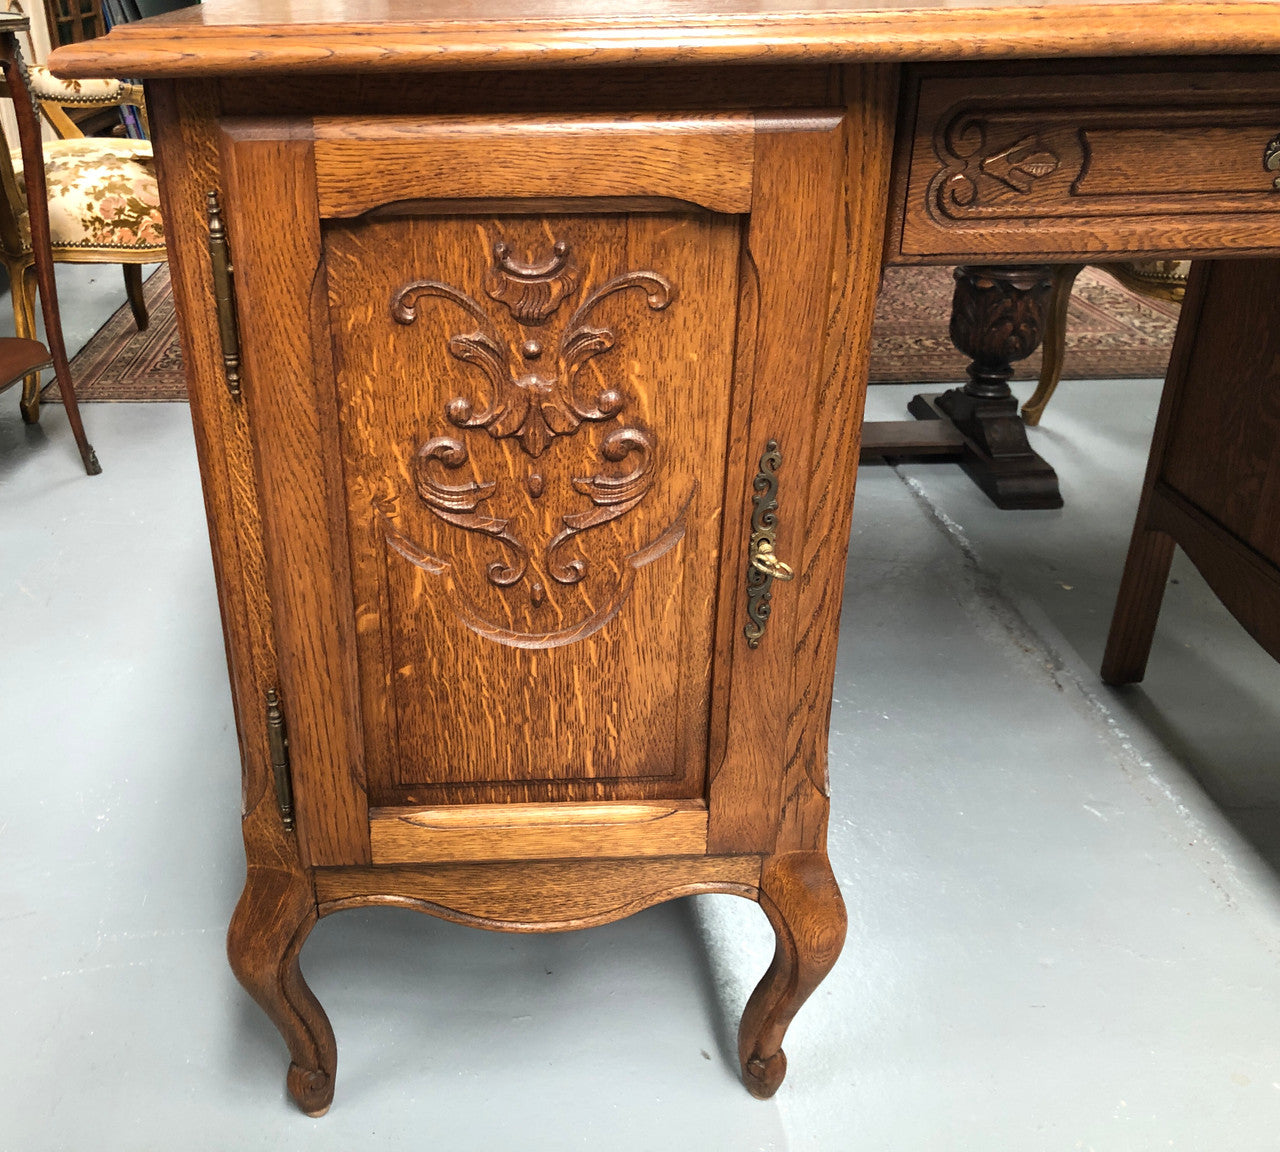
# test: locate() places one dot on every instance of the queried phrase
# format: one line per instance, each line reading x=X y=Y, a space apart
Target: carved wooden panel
x=1096 y=164
x=535 y=418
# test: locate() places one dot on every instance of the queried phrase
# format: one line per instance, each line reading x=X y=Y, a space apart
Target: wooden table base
x=997 y=318
x=1213 y=477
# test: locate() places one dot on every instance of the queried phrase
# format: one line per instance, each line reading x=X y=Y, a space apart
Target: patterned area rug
x=1112 y=333
x=121 y=363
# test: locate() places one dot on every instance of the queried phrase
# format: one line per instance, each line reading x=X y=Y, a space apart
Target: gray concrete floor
x=1064 y=906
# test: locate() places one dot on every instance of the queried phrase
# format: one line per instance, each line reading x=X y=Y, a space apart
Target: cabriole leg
x=798 y=893
x=275 y=914
x=137 y=301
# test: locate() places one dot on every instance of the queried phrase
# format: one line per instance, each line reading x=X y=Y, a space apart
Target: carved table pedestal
x=997 y=318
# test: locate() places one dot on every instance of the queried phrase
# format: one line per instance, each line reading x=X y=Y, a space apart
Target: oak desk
x=527 y=347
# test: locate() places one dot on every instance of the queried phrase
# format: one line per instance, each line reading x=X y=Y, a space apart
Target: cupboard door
x=509 y=381
x=535 y=415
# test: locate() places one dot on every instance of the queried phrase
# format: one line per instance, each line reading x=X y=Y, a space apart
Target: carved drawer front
x=1074 y=164
x=537 y=358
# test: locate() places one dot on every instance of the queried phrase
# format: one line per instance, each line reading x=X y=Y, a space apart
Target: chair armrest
x=47 y=88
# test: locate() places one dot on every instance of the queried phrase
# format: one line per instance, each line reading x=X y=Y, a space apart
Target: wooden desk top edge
x=243 y=37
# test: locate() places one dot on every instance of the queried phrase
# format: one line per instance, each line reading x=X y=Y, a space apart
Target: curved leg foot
x=1055 y=342
x=275 y=914
x=799 y=895
x=137 y=301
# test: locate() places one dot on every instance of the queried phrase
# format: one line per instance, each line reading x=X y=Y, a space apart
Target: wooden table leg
x=1213 y=476
x=997 y=318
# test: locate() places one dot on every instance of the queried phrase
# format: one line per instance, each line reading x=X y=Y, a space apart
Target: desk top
x=222 y=37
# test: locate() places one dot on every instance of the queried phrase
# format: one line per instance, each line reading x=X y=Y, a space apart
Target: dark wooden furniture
x=23 y=354
x=1042 y=163
x=1213 y=478
x=542 y=372
x=71 y=21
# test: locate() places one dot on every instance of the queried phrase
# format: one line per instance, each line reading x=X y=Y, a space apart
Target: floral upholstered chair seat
x=104 y=205
x=103 y=197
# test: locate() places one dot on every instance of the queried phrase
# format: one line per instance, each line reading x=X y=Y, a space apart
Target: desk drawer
x=1075 y=163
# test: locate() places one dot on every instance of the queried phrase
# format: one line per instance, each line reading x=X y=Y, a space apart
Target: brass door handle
x=1271 y=158
x=764 y=559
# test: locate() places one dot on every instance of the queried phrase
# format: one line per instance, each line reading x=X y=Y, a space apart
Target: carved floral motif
x=1021 y=164
x=531 y=292
x=533 y=406
x=526 y=404
x=976 y=172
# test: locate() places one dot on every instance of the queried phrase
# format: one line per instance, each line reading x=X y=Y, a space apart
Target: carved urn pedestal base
x=997 y=318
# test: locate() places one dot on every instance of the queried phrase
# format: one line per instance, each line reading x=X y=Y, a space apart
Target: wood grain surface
x=257 y=36
x=550 y=635
x=1080 y=162
x=704 y=160
x=538 y=831
x=277 y=906
x=289 y=396
x=832 y=468
x=782 y=318
x=537 y=895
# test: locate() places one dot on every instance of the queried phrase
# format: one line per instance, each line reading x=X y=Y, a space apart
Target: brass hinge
x=224 y=295
x=279 y=742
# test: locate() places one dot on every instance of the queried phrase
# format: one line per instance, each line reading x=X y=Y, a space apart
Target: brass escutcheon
x=763 y=565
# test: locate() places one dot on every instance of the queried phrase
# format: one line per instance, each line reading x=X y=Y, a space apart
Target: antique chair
x=104 y=205
x=21 y=356
x=1161 y=279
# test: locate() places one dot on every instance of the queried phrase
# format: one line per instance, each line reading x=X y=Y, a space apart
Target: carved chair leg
x=799 y=895
x=275 y=914
x=1055 y=342
x=133 y=289
x=22 y=287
